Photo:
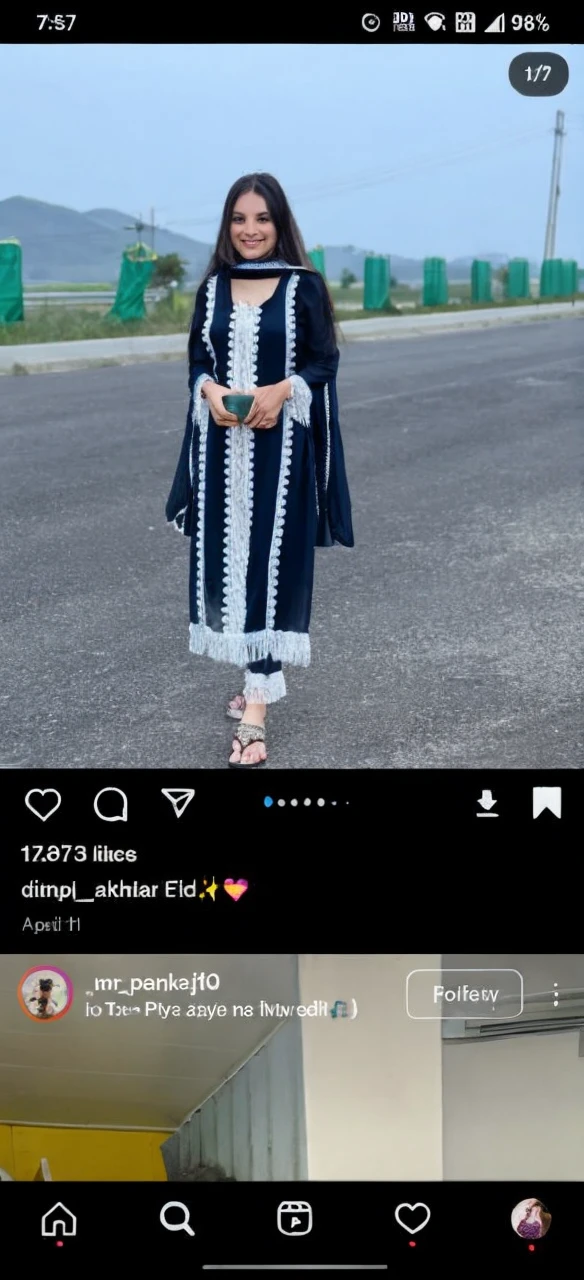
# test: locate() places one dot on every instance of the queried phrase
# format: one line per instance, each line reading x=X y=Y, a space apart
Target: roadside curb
x=66 y=357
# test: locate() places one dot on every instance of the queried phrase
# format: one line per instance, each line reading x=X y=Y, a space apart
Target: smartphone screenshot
x=290 y=436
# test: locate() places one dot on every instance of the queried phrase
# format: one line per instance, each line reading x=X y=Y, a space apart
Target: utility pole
x=153 y=227
x=552 y=218
x=137 y=226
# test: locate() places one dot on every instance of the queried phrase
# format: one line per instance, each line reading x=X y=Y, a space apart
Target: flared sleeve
x=314 y=387
x=179 y=507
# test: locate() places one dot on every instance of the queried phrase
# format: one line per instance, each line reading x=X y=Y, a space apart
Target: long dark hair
x=290 y=245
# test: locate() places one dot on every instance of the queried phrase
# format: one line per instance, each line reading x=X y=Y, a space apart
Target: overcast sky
x=416 y=150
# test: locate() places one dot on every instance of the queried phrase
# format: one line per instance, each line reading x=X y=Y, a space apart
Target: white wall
x=373 y=1086
x=514 y=1108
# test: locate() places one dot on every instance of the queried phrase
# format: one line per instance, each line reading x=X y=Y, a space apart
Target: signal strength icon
x=497 y=27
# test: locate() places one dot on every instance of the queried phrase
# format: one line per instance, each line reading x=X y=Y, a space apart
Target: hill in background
x=61 y=244
x=82 y=248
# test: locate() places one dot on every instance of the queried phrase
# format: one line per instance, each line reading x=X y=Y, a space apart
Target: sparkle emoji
x=210 y=889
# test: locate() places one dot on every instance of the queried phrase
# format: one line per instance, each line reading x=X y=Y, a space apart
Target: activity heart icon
x=42 y=808
x=235 y=888
x=405 y=1210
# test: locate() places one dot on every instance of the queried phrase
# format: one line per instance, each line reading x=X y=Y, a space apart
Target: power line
x=375 y=178
x=368 y=179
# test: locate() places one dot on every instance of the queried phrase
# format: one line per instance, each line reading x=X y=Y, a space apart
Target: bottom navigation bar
x=242 y=1226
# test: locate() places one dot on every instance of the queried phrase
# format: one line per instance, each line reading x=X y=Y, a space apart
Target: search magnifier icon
x=183 y=1225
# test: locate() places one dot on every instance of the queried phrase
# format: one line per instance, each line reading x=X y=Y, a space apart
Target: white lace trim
x=327 y=406
x=199 y=399
x=291 y=647
x=285 y=463
x=300 y=400
x=201 y=418
x=239 y=468
x=199 y=414
x=200 y=535
x=206 y=335
x=262 y=688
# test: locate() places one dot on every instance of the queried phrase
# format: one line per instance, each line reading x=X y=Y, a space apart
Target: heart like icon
x=411 y=1208
x=235 y=888
x=39 y=810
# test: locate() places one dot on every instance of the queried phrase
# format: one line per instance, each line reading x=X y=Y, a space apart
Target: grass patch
x=360 y=314
x=51 y=323
x=509 y=303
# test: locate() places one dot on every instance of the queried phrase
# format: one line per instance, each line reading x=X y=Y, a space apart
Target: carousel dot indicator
x=307 y=802
x=268 y=802
x=320 y=803
x=281 y=803
x=294 y=803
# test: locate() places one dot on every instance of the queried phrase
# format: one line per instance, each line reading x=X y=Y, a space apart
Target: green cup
x=238 y=405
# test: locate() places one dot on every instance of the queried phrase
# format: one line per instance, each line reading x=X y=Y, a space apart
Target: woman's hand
x=267 y=405
x=214 y=396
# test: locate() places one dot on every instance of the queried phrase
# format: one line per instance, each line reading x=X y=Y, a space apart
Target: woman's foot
x=236 y=707
x=255 y=753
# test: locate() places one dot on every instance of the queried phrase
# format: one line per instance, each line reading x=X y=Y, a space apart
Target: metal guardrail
x=78 y=298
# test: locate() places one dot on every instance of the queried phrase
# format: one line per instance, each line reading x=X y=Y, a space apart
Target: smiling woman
x=257 y=496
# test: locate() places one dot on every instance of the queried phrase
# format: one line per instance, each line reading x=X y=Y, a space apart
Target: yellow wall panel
x=82 y=1155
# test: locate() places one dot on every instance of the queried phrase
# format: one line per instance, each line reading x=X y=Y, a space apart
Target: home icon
x=59 y=1221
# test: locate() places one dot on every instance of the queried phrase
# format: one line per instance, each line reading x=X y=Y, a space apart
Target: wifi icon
x=436 y=21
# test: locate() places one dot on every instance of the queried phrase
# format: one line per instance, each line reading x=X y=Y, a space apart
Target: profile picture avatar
x=45 y=993
x=531 y=1220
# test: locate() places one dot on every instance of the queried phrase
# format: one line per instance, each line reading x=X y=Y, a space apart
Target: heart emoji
x=235 y=888
x=409 y=1211
x=44 y=805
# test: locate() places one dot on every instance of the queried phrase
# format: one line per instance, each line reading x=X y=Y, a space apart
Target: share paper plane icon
x=179 y=798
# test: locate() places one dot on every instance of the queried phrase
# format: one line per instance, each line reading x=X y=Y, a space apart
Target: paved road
x=451 y=636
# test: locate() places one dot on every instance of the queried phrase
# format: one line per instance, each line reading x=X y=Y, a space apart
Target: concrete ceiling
x=131 y=1072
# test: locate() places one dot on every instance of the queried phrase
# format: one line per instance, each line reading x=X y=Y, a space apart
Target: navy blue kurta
x=255 y=503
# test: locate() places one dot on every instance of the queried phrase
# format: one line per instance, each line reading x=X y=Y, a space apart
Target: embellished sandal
x=236 y=707
x=246 y=735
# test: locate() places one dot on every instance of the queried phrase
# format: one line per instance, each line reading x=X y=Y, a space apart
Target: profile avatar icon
x=45 y=993
x=531 y=1220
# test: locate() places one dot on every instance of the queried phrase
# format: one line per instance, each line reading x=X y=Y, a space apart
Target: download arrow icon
x=486 y=801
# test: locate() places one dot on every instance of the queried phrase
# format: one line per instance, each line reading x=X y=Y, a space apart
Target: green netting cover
x=552 y=278
x=376 y=284
x=569 y=277
x=480 y=281
x=518 y=284
x=135 y=275
x=317 y=259
x=435 y=282
x=11 y=295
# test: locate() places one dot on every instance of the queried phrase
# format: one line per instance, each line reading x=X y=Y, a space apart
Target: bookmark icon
x=547 y=798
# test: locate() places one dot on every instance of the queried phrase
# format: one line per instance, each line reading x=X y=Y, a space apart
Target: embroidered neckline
x=257 y=306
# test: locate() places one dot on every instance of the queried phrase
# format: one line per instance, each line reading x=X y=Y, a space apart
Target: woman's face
x=253 y=233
